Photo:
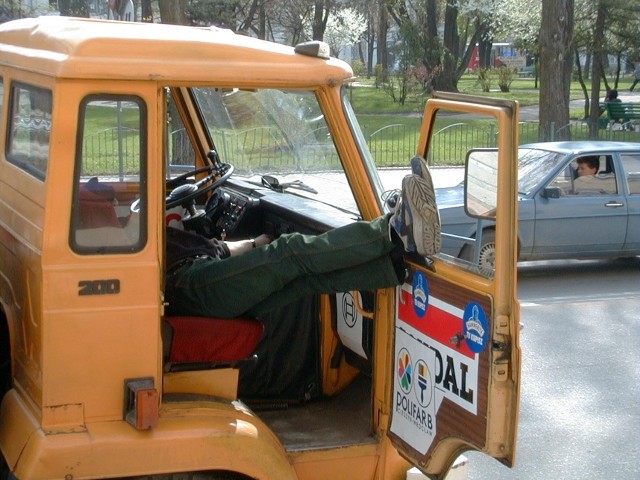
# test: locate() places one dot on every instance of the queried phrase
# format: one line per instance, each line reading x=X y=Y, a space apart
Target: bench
x=623 y=113
x=527 y=71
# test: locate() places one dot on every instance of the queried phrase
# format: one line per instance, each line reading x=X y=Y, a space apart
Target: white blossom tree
x=344 y=28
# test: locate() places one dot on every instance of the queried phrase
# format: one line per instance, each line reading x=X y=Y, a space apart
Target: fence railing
x=392 y=145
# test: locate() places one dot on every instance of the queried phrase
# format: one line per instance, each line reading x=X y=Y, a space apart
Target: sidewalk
x=442 y=176
x=530 y=113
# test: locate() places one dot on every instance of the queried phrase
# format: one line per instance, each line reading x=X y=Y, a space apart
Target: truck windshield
x=277 y=134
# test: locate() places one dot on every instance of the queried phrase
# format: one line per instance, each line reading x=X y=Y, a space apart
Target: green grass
x=366 y=98
x=392 y=146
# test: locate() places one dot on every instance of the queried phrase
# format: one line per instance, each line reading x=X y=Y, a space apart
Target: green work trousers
x=358 y=256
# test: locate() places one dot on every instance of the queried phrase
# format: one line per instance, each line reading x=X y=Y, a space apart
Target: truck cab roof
x=67 y=47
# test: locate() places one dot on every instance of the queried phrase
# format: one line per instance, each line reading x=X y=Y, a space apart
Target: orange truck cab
x=111 y=132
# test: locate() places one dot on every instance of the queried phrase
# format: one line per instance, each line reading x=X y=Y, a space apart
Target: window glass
x=564 y=180
x=29 y=129
x=533 y=166
x=1 y=92
x=282 y=134
x=631 y=165
x=471 y=204
x=594 y=175
x=181 y=156
x=109 y=200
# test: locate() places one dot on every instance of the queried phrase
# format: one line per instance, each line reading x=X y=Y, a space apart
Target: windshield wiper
x=274 y=184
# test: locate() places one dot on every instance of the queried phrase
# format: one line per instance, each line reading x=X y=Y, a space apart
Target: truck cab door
x=456 y=371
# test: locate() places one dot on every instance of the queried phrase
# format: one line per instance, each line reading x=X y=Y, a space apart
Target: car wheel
x=487 y=258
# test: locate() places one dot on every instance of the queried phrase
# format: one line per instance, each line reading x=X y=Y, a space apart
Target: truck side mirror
x=481 y=183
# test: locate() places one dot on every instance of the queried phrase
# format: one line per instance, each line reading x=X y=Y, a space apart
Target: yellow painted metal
x=98 y=49
x=504 y=394
x=64 y=416
x=190 y=436
x=219 y=382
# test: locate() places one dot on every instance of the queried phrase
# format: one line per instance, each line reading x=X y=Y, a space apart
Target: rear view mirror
x=481 y=183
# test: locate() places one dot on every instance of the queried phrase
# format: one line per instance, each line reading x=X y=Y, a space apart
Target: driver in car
x=587 y=169
x=214 y=278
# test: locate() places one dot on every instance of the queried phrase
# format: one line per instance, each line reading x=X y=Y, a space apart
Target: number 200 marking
x=99 y=287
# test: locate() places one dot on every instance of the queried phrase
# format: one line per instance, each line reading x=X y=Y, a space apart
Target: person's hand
x=241 y=246
x=263 y=239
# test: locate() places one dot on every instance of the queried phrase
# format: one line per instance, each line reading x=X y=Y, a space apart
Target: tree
x=346 y=27
x=173 y=11
x=556 y=43
x=463 y=24
x=12 y=9
x=221 y=13
x=597 y=68
x=254 y=19
x=146 y=11
x=321 y=11
x=292 y=17
x=519 y=21
x=381 y=36
x=73 y=8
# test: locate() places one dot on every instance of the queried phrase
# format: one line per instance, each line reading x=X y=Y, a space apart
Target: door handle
x=614 y=204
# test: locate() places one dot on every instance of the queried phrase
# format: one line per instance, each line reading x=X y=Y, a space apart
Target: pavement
x=530 y=113
x=442 y=176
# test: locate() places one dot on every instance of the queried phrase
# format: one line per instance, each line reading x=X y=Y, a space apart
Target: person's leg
x=383 y=272
x=230 y=287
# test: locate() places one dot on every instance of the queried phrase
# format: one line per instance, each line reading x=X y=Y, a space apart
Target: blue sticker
x=420 y=294
x=476 y=327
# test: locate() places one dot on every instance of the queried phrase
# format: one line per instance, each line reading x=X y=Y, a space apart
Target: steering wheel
x=184 y=193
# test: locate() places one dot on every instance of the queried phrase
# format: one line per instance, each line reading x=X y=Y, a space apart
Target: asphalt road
x=580 y=397
x=580 y=390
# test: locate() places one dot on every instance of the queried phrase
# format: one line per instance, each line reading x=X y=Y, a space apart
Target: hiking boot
x=400 y=221
x=423 y=211
x=420 y=168
x=416 y=219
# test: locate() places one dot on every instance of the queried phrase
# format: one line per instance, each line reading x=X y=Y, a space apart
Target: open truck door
x=456 y=372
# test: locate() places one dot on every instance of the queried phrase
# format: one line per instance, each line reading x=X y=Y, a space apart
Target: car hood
x=450 y=196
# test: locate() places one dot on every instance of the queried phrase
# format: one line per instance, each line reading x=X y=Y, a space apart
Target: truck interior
x=291 y=364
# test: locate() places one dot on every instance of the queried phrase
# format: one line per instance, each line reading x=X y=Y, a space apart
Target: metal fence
x=394 y=144
x=391 y=145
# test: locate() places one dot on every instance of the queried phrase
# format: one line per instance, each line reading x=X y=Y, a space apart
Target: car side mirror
x=551 y=192
x=481 y=183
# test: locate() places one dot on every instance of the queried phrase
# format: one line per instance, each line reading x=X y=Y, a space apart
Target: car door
x=630 y=168
x=456 y=370
x=581 y=222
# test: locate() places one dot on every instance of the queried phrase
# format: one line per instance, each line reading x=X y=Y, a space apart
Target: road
x=580 y=398
x=580 y=391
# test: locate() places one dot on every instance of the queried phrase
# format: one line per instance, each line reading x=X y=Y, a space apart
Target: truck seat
x=96 y=206
x=203 y=340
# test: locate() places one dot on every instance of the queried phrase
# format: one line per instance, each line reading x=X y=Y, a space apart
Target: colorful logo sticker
x=476 y=327
x=405 y=370
x=424 y=383
x=420 y=294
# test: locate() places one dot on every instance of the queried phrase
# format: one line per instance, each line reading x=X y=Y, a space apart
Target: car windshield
x=277 y=137
x=533 y=166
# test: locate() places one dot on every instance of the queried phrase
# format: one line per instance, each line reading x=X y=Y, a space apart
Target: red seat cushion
x=213 y=340
x=96 y=211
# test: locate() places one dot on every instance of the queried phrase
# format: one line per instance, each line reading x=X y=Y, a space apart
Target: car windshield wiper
x=274 y=184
